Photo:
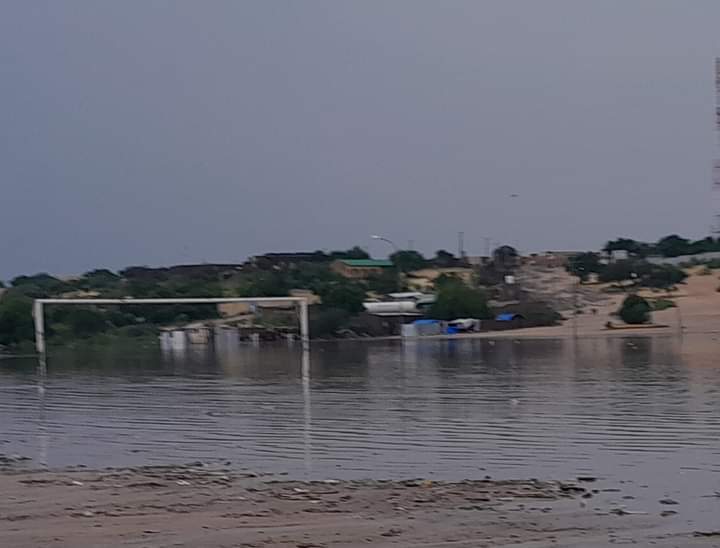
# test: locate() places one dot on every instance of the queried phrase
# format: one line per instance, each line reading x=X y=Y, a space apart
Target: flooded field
x=448 y=408
x=640 y=411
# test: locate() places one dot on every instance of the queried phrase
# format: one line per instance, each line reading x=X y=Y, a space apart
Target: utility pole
x=575 y=309
x=461 y=244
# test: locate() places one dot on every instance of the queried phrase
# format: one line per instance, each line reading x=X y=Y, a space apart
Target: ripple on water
x=535 y=409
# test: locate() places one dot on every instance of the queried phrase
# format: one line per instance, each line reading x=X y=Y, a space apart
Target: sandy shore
x=697 y=313
x=187 y=506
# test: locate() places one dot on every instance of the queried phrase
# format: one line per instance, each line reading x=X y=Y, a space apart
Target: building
x=619 y=255
x=234 y=309
x=401 y=304
x=361 y=269
x=307 y=294
x=478 y=260
x=682 y=259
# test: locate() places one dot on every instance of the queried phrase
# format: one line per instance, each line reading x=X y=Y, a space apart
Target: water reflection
x=638 y=406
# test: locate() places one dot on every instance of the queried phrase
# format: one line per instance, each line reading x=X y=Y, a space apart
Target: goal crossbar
x=39 y=314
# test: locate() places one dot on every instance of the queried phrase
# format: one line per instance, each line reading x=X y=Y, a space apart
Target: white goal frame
x=39 y=311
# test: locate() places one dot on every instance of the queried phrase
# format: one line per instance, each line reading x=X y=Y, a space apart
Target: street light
x=395 y=247
x=386 y=240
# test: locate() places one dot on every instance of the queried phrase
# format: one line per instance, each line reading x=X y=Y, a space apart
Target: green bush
x=662 y=304
x=408 y=260
x=348 y=296
x=325 y=322
x=457 y=300
x=16 y=324
x=635 y=310
x=584 y=264
x=663 y=276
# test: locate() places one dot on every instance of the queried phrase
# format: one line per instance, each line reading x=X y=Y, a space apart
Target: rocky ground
x=194 y=506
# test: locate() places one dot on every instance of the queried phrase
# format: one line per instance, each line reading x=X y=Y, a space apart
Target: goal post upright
x=304 y=325
x=39 y=311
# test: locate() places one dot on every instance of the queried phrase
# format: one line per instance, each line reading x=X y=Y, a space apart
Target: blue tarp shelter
x=508 y=317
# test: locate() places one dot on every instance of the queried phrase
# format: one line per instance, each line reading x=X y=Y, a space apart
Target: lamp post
x=386 y=240
x=395 y=249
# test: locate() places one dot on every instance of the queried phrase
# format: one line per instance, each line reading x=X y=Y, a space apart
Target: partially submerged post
x=39 y=320
x=304 y=325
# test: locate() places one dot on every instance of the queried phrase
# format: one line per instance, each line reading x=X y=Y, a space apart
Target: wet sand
x=192 y=506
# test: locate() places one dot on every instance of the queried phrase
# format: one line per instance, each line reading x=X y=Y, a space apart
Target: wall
x=356 y=272
x=676 y=261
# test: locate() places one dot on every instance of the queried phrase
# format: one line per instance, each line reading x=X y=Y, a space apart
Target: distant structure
x=360 y=269
x=278 y=260
x=716 y=162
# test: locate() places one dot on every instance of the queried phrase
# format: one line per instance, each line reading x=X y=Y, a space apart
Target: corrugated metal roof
x=377 y=263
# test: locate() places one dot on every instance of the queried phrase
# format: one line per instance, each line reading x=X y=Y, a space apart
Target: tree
x=347 y=296
x=457 y=300
x=407 y=260
x=444 y=259
x=505 y=258
x=16 y=323
x=355 y=252
x=447 y=279
x=312 y=276
x=663 y=276
x=101 y=278
x=619 y=271
x=384 y=283
x=84 y=322
x=633 y=247
x=267 y=284
x=634 y=310
x=326 y=322
x=673 y=246
x=39 y=285
x=706 y=245
x=584 y=264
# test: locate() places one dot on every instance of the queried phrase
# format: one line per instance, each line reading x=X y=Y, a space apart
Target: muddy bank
x=194 y=506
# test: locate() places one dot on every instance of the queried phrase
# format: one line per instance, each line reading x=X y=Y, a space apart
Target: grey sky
x=157 y=132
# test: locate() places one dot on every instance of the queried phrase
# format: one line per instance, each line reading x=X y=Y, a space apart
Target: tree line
x=669 y=246
x=341 y=298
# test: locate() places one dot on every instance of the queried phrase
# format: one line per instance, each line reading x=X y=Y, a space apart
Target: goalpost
x=300 y=303
x=39 y=313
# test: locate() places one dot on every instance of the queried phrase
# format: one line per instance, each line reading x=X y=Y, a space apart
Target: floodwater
x=637 y=411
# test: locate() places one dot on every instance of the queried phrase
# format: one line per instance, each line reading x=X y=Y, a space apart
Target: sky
x=174 y=131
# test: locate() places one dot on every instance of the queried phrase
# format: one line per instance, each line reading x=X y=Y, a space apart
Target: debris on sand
x=706 y=534
x=668 y=501
x=128 y=505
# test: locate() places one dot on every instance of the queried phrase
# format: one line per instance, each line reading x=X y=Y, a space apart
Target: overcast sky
x=156 y=132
